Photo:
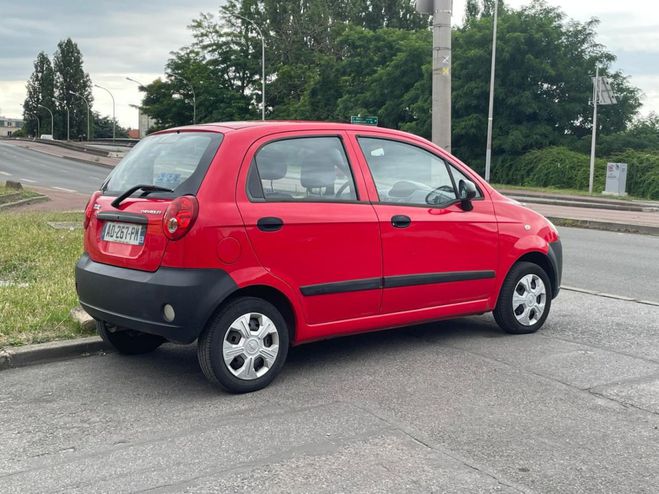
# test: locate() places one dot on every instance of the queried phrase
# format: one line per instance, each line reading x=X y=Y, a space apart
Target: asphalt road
x=450 y=407
x=618 y=263
x=38 y=169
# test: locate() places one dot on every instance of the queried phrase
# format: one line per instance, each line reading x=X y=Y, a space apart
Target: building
x=9 y=125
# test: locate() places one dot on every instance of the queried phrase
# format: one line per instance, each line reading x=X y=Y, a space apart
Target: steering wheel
x=339 y=192
x=441 y=194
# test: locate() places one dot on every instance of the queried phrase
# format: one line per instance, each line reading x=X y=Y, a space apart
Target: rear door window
x=313 y=169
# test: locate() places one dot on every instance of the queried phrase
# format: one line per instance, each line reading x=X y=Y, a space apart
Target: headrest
x=271 y=164
x=317 y=171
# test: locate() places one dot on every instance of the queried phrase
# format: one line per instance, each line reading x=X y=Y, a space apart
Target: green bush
x=557 y=167
x=563 y=168
x=642 y=172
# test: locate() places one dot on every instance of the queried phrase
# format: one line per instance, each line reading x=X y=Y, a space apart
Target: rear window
x=177 y=161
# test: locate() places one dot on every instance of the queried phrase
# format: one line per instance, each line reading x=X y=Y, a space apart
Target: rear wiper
x=147 y=189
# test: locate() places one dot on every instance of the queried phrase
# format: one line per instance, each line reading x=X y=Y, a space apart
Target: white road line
x=28 y=180
x=5 y=174
x=63 y=189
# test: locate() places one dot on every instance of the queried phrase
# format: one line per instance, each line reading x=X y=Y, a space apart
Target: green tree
x=543 y=85
x=40 y=91
x=102 y=126
x=70 y=76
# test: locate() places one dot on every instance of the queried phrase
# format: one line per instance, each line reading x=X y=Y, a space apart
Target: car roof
x=268 y=126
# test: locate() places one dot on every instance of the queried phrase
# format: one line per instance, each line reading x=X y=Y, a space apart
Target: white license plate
x=124 y=233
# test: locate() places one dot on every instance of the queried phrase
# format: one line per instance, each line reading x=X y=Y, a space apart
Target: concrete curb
x=23 y=202
x=605 y=225
x=50 y=352
x=88 y=162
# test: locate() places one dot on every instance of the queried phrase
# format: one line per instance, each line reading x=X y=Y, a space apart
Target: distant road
x=32 y=168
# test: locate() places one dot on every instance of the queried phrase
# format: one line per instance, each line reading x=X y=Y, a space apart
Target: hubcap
x=529 y=299
x=250 y=346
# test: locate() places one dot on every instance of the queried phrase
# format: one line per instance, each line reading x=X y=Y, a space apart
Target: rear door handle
x=269 y=224
x=400 y=221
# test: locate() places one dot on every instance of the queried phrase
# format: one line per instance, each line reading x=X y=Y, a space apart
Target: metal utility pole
x=68 y=124
x=114 y=120
x=87 y=103
x=194 y=97
x=490 y=113
x=441 y=11
x=602 y=95
x=52 y=120
x=258 y=30
x=596 y=92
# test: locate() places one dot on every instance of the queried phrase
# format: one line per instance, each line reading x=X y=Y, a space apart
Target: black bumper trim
x=555 y=254
x=134 y=299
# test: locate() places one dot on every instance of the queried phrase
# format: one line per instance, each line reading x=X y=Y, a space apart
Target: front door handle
x=400 y=221
x=269 y=224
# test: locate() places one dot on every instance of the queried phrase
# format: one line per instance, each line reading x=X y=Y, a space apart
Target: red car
x=255 y=236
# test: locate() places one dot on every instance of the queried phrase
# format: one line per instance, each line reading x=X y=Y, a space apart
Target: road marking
x=5 y=174
x=609 y=295
x=63 y=189
x=28 y=180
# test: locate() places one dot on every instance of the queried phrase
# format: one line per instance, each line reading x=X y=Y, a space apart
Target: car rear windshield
x=176 y=161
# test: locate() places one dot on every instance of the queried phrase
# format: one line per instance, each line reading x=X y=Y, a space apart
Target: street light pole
x=38 y=122
x=68 y=123
x=596 y=92
x=87 y=103
x=194 y=97
x=490 y=113
x=139 y=108
x=52 y=120
x=114 y=120
x=258 y=30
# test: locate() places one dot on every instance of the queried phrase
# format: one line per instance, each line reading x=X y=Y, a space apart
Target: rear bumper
x=135 y=299
x=555 y=254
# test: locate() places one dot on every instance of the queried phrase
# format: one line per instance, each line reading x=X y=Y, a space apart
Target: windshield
x=176 y=161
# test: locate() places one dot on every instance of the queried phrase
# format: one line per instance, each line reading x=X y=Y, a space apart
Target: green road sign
x=363 y=120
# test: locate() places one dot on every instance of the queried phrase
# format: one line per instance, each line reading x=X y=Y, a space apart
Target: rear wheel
x=128 y=341
x=524 y=300
x=245 y=345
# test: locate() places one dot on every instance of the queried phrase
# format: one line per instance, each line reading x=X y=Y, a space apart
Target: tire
x=244 y=346
x=128 y=341
x=522 y=284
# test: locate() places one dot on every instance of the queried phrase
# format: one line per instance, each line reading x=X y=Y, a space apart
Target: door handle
x=269 y=224
x=400 y=221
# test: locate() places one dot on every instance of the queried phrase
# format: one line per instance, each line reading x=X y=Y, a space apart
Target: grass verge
x=565 y=192
x=12 y=195
x=37 y=287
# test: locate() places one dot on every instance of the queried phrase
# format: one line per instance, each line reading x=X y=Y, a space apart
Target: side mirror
x=467 y=191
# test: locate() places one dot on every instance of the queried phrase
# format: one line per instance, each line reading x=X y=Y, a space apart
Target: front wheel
x=245 y=346
x=524 y=300
x=128 y=341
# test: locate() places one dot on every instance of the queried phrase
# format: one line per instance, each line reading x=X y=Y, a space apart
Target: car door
x=310 y=224
x=435 y=253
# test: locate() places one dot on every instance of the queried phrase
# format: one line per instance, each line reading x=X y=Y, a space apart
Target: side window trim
x=253 y=167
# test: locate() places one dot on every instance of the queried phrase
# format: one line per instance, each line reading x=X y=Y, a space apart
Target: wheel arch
x=269 y=294
x=542 y=260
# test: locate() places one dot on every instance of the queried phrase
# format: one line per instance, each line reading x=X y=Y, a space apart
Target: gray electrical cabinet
x=616 y=179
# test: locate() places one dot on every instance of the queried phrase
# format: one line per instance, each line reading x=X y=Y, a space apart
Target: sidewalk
x=70 y=154
x=593 y=212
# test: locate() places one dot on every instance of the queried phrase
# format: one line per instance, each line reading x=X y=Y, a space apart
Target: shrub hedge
x=561 y=167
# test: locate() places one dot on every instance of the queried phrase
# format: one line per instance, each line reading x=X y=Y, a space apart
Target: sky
x=129 y=38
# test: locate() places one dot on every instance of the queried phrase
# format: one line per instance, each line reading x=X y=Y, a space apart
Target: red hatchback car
x=255 y=236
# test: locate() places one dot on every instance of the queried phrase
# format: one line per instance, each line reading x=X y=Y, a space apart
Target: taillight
x=180 y=216
x=89 y=208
